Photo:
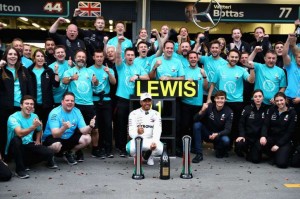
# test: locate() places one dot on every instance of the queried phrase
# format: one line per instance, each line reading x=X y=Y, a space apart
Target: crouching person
x=22 y=127
x=146 y=123
x=66 y=132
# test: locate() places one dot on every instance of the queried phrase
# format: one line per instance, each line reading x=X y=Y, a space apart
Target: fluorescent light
x=110 y=22
x=68 y=20
x=43 y=29
x=36 y=25
x=24 y=18
x=4 y=24
x=111 y=27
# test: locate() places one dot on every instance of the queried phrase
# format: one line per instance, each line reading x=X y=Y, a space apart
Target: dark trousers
x=122 y=122
x=5 y=113
x=202 y=133
x=187 y=121
x=252 y=148
x=43 y=114
x=28 y=154
x=5 y=173
x=237 y=108
x=104 y=124
x=87 y=111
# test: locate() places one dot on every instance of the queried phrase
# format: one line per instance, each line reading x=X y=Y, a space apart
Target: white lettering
x=9 y=8
x=228 y=13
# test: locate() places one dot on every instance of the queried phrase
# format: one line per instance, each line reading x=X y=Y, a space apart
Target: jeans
x=202 y=133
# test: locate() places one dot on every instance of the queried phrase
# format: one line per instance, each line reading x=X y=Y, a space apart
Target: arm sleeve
x=265 y=127
x=228 y=124
x=132 y=125
x=242 y=123
x=289 y=130
x=157 y=128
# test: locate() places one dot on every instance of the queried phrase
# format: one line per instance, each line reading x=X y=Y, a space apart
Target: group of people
x=65 y=98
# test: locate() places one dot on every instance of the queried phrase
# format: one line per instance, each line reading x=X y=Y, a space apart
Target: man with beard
x=18 y=44
x=120 y=29
x=66 y=130
x=182 y=53
x=49 y=51
x=212 y=62
x=237 y=42
x=143 y=60
x=27 y=51
x=63 y=65
x=83 y=82
x=128 y=73
x=268 y=77
x=70 y=40
x=93 y=39
x=230 y=78
x=213 y=124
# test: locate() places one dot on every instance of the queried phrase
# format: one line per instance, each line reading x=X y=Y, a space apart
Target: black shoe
x=79 y=156
x=95 y=153
x=219 y=154
x=22 y=174
x=102 y=154
x=69 y=157
x=109 y=155
x=51 y=164
x=123 y=153
x=146 y=154
x=198 y=158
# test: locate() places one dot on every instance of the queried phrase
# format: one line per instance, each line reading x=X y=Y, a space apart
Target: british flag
x=89 y=9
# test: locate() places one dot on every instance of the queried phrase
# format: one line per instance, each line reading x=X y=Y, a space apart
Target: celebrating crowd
x=77 y=93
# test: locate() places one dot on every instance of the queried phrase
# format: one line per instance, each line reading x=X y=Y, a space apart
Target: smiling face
x=72 y=32
x=220 y=101
x=49 y=46
x=233 y=58
x=12 y=57
x=280 y=102
x=27 y=107
x=236 y=35
x=68 y=103
x=60 y=54
x=185 y=48
x=270 y=59
x=39 y=59
x=98 y=58
x=19 y=46
x=215 y=50
x=99 y=24
x=278 y=49
x=193 y=59
x=168 y=50
x=80 y=59
x=146 y=104
x=142 y=49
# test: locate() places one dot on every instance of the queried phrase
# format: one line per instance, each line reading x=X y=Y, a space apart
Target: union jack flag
x=89 y=9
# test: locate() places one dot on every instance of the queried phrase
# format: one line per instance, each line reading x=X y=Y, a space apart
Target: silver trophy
x=186 y=172
x=138 y=173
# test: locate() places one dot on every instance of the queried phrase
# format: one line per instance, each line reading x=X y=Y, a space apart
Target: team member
x=5 y=173
x=216 y=126
x=238 y=43
x=22 y=126
x=143 y=36
x=27 y=51
x=126 y=43
x=17 y=43
x=66 y=130
x=277 y=131
x=102 y=103
x=83 y=82
x=70 y=40
x=49 y=51
x=262 y=40
x=182 y=53
x=62 y=65
x=251 y=122
x=43 y=81
x=15 y=82
x=268 y=77
x=128 y=73
x=145 y=122
x=93 y=39
x=278 y=48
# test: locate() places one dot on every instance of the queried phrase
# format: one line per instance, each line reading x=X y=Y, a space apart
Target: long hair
x=18 y=64
x=188 y=36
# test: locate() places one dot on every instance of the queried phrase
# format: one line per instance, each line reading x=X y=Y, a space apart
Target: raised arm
x=54 y=26
x=118 y=59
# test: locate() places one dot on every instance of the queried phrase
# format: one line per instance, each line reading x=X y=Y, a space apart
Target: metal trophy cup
x=203 y=13
x=138 y=173
x=186 y=172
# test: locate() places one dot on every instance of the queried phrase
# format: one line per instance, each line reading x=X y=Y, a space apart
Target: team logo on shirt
x=211 y=116
x=268 y=86
x=82 y=87
x=274 y=116
x=230 y=87
x=263 y=115
x=251 y=116
x=286 y=118
x=222 y=117
x=47 y=76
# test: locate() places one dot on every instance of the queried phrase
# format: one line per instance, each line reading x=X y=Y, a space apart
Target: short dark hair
x=257 y=91
x=236 y=51
x=98 y=51
x=192 y=52
x=128 y=49
x=280 y=94
x=220 y=93
x=27 y=97
x=67 y=93
x=141 y=42
x=215 y=41
x=169 y=41
x=59 y=46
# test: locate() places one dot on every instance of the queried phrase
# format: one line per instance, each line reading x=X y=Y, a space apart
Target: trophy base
x=186 y=176
x=138 y=177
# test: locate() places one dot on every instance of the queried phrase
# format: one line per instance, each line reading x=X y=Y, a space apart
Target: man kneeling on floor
x=22 y=127
x=146 y=123
x=66 y=130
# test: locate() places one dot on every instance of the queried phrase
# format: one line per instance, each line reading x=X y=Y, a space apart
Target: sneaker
x=22 y=174
x=146 y=154
x=123 y=153
x=110 y=155
x=198 y=158
x=69 y=157
x=79 y=156
x=51 y=164
x=27 y=169
x=95 y=153
x=150 y=161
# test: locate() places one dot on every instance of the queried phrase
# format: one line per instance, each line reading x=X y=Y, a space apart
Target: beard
x=80 y=63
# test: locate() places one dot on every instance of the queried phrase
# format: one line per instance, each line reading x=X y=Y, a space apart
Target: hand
x=152 y=40
x=121 y=39
x=153 y=146
x=179 y=37
x=202 y=71
x=140 y=130
x=36 y=123
x=93 y=122
x=105 y=39
x=56 y=68
x=106 y=69
x=157 y=64
x=296 y=100
x=95 y=80
x=133 y=78
x=190 y=79
x=70 y=61
x=272 y=101
x=164 y=78
x=77 y=12
x=263 y=141
x=240 y=139
x=204 y=107
x=208 y=101
x=2 y=63
x=154 y=32
x=75 y=76
x=231 y=46
x=297 y=22
x=258 y=49
x=274 y=148
x=67 y=124
x=61 y=20
x=213 y=136
x=37 y=142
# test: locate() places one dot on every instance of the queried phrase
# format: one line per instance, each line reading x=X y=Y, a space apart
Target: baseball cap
x=145 y=96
